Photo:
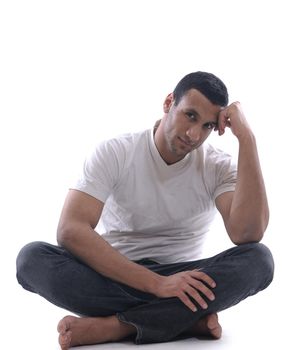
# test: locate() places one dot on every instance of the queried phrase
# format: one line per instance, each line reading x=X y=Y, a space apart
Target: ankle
x=123 y=329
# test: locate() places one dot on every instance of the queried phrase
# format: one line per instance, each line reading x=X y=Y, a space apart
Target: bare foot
x=74 y=331
x=208 y=327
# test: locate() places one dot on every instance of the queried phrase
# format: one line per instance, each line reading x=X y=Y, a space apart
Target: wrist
x=246 y=137
x=154 y=283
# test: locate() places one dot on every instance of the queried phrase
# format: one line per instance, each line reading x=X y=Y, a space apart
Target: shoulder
x=118 y=152
x=218 y=165
x=214 y=153
x=124 y=141
x=216 y=158
x=106 y=164
x=210 y=157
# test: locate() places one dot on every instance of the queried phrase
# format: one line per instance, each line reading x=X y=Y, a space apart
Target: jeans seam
x=128 y=294
x=121 y=317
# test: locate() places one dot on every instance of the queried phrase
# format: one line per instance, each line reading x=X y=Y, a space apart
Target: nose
x=194 y=133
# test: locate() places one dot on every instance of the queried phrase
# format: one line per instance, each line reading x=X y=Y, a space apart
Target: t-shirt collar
x=158 y=159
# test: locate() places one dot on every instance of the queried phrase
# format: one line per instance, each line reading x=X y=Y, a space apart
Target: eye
x=210 y=126
x=190 y=116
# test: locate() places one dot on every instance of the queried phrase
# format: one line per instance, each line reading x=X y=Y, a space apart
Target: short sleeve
x=226 y=177
x=221 y=172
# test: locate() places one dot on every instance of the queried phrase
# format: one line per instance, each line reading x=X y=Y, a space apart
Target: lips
x=186 y=142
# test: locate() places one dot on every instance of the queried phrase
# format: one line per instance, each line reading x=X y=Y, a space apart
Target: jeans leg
x=59 y=277
x=238 y=272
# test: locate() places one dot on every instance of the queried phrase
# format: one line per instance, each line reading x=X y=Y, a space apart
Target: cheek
x=171 y=126
x=207 y=132
x=205 y=135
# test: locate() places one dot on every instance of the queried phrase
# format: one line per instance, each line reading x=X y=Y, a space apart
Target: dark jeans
x=58 y=276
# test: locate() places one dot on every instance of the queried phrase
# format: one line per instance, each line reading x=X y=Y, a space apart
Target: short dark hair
x=207 y=83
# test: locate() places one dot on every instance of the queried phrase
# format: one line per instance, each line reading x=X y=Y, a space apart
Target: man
x=155 y=192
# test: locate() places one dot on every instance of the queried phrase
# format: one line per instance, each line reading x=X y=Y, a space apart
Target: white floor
x=31 y=324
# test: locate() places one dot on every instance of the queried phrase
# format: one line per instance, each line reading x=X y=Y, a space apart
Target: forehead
x=195 y=100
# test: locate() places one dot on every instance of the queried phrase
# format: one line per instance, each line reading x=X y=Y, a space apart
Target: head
x=206 y=83
x=190 y=114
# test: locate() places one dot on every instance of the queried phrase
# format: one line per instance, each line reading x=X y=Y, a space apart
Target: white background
x=75 y=72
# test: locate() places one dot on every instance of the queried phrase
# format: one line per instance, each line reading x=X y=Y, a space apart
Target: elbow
x=71 y=233
x=65 y=235
x=246 y=238
x=243 y=236
x=248 y=231
x=248 y=227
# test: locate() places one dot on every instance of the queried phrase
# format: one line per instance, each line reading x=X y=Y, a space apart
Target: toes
x=212 y=321
x=65 y=340
x=208 y=326
x=214 y=326
x=64 y=325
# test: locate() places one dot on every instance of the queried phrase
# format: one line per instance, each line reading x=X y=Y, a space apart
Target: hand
x=186 y=286
x=233 y=117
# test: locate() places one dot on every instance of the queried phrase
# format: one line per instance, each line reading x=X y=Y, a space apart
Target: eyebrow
x=193 y=111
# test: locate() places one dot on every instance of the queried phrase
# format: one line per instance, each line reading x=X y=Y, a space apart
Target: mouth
x=187 y=143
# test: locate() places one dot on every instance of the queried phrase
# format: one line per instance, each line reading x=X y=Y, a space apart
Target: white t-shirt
x=154 y=210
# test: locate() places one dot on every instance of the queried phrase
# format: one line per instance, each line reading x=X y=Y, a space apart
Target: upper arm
x=223 y=203
x=80 y=209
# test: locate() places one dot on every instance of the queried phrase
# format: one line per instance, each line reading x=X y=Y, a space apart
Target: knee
x=27 y=260
x=261 y=263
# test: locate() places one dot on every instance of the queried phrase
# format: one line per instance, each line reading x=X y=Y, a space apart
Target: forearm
x=249 y=212
x=93 y=250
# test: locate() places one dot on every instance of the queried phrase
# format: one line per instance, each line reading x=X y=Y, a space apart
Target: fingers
x=203 y=277
x=223 y=122
x=193 y=288
x=232 y=117
x=198 y=286
x=187 y=301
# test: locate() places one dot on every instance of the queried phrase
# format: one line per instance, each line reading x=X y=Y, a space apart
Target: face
x=186 y=126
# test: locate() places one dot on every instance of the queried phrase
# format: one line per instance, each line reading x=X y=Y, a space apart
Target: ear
x=168 y=102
